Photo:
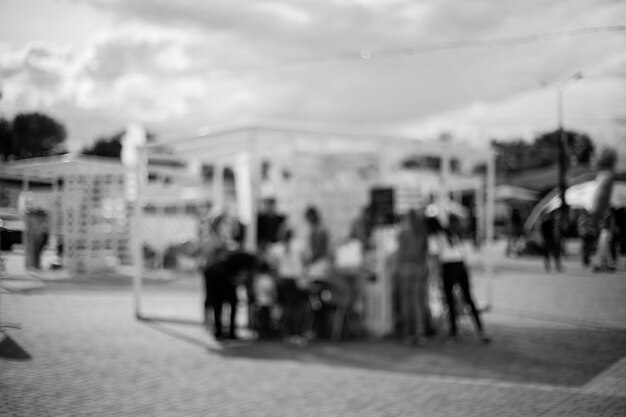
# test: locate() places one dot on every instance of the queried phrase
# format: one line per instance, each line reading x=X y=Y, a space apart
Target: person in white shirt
x=449 y=248
x=293 y=295
x=264 y=288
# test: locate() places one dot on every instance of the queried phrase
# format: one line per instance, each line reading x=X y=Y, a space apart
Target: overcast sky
x=420 y=68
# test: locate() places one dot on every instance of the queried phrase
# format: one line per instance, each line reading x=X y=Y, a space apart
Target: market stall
x=336 y=172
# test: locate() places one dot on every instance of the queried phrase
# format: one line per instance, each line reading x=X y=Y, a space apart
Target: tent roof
x=546 y=178
x=268 y=138
x=51 y=168
x=507 y=192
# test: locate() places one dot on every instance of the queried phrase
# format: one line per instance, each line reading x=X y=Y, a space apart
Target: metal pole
x=561 y=152
x=489 y=227
x=562 y=158
x=137 y=232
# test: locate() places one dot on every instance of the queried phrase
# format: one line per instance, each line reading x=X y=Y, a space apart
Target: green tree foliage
x=519 y=155
x=31 y=135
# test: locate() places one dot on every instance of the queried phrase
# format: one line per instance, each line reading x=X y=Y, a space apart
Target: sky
x=477 y=70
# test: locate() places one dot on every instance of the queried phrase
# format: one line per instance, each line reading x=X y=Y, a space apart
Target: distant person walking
x=551 y=241
x=603 y=260
x=515 y=232
x=587 y=233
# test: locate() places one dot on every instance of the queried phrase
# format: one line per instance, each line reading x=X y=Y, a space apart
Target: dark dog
x=221 y=279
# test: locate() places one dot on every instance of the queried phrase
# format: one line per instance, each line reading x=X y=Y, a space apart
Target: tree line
x=519 y=155
x=31 y=135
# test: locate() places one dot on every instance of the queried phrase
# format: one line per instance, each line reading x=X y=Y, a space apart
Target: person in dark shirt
x=515 y=232
x=269 y=222
x=551 y=241
x=318 y=245
x=221 y=278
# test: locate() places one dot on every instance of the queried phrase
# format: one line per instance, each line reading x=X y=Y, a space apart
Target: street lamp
x=560 y=89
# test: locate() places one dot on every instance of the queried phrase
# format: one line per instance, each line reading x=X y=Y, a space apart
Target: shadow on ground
x=565 y=356
x=10 y=349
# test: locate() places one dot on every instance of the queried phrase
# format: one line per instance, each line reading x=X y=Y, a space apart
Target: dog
x=221 y=279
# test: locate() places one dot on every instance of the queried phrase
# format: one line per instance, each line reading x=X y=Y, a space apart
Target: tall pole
x=561 y=151
x=562 y=159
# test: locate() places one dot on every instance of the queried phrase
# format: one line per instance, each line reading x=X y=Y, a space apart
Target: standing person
x=363 y=227
x=551 y=243
x=318 y=267
x=269 y=223
x=231 y=230
x=412 y=276
x=265 y=297
x=603 y=260
x=587 y=233
x=515 y=232
x=210 y=251
x=317 y=256
x=291 y=285
x=453 y=267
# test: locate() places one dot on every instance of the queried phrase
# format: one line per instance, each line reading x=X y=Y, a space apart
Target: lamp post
x=560 y=89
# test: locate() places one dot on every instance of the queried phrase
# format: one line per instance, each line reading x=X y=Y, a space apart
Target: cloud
x=190 y=63
x=592 y=106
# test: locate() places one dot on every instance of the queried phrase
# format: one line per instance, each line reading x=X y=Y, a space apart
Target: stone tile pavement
x=558 y=351
x=90 y=357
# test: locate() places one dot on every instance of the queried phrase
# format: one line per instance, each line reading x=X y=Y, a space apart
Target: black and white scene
x=312 y=208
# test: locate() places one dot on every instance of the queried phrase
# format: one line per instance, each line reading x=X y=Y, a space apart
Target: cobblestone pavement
x=557 y=351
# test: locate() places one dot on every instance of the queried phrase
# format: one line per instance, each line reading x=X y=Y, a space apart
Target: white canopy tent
x=507 y=192
x=333 y=170
x=580 y=195
x=583 y=195
x=86 y=206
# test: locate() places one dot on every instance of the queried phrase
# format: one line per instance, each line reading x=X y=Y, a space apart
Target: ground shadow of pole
x=159 y=324
x=10 y=349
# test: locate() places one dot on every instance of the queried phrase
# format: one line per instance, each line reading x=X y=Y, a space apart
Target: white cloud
x=187 y=63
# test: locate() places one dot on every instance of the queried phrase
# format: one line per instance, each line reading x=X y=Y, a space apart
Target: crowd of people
x=290 y=279
x=601 y=241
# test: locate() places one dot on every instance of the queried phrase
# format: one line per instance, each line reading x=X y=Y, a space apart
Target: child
x=264 y=289
x=453 y=271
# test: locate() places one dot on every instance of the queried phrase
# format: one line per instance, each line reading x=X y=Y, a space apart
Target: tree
x=581 y=148
x=32 y=135
x=108 y=147
x=607 y=160
x=111 y=146
x=519 y=155
x=6 y=140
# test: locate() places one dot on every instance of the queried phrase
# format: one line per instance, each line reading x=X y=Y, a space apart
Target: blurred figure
x=292 y=293
x=551 y=241
x=447 y=244
x=269 y=222
x=317 y=253
x=232 y=232
x=603 y=260
x=411 y=271
x=515 y=232
x=362 y=228
x=265 y=297
x=221 y=279
x=587 y=233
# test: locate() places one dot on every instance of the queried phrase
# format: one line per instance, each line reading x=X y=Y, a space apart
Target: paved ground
x=558 y=350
